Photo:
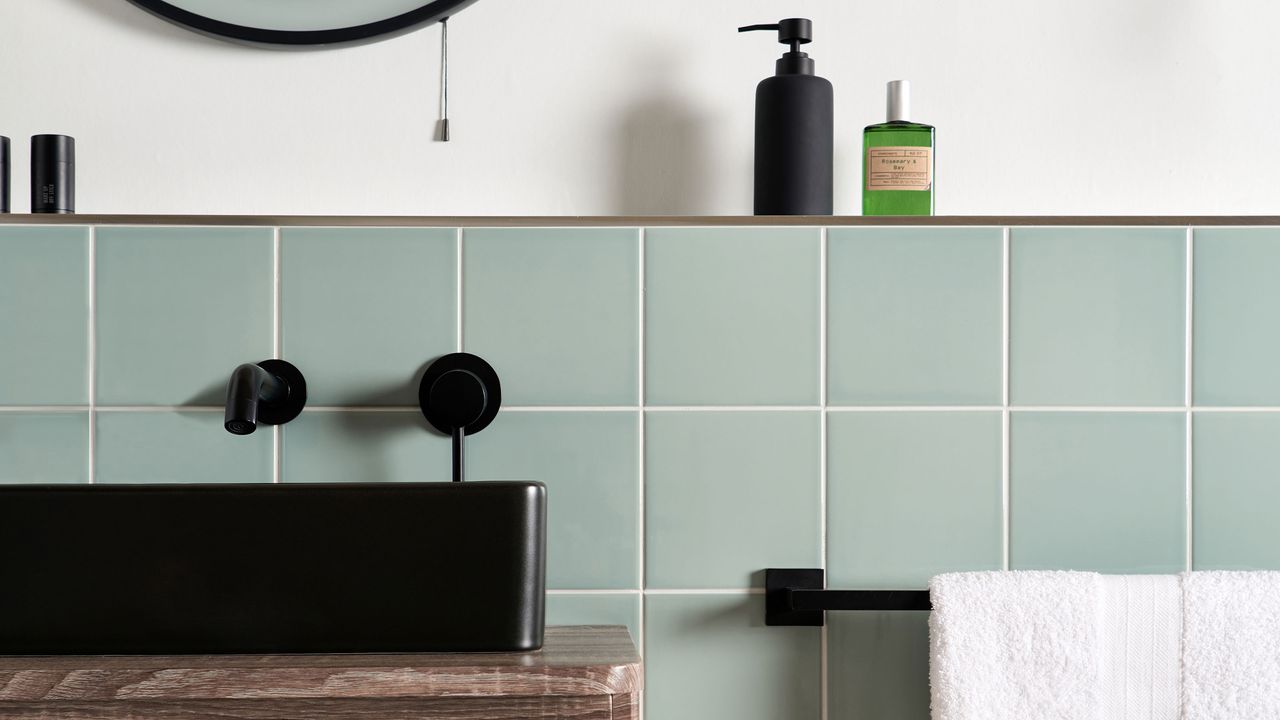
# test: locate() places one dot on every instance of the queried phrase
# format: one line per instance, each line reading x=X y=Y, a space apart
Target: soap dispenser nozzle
x=794 y=32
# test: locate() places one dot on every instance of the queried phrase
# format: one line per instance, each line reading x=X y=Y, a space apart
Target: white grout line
x=1006 y=264
x=1006 y=494
x=913 y=408
x=1235 y=409
x=572 y=408
x=705 y=591
x=1222 y=409
x=641 y=447
x=1006 y=449
x=45 y=408
x=1189 y=309
x=1188 y=396
x=457 y=248
x=93 y=355
x=1189 y=495
x=277 y=460
x=1100 y=408
x=159 y=408
x=732 y=408
x=823 y=666
x=564 y=591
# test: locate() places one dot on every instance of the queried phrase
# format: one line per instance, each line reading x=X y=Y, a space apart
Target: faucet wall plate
x=262 y=568
x=460 y=390
x=282 y=411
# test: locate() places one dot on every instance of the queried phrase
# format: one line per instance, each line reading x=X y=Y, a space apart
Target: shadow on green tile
x=556 y=311
x=364 y=309
x=1237 y=300
x=178 y=447
x=731 y=316
x=44 y=448
x=878 y=665
x=1098 y=491
x=364 y=447
x=1236 y=463
x=914 y=316
x=590 y=464
x=178 y=309
x=728 y=494
x=912 y=494
x=1097 y=316
x=711 y=656
x=587 y=609
x=44 y=315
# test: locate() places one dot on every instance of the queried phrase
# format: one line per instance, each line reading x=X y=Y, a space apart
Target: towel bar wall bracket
x=798 y=597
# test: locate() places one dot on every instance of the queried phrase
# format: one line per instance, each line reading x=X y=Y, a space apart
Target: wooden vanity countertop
x=590 y=668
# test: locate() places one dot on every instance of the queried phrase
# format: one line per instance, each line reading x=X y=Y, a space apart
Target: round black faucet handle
x=460 y=397
x=460 y=391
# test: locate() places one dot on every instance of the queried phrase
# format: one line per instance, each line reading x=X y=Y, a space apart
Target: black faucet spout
x=272 y=391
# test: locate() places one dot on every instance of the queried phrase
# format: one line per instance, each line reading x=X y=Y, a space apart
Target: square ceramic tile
x=911 y=495
x=878 y=665
x=596 y=609
x=364 y=447
x=711 y=656
x=1237 y=301
x=731 y=316
x=556 y=312
x=1098 y=491
x=914 y=316
x=178 y=447
x=589 y=462
x=364 y=309
x=1097 y=316
x=37 y=448
x=1235 y=493
x=178 y=309
x=44 y=315
x=728 y=494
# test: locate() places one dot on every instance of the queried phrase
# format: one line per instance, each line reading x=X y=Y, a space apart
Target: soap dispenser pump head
x=794 y=32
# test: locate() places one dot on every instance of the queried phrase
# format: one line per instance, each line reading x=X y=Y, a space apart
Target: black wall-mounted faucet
x=273 y=392
x=459 y=395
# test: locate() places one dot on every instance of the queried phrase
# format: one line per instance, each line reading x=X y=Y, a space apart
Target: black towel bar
x=798 y=597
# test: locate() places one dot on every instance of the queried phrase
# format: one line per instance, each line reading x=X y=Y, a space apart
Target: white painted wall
x=613 y=107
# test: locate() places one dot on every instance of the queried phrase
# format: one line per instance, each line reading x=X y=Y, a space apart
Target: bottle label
x=899 y=168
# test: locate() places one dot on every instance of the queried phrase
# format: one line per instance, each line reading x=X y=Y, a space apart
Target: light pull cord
x=444 y=80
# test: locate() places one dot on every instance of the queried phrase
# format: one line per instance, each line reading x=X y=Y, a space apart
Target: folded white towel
x=1082 y=646
x=1140 y=639
x=1015 y=646
x=1231 y=663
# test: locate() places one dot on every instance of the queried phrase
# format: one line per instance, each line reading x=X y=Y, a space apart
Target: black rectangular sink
x=182 y=569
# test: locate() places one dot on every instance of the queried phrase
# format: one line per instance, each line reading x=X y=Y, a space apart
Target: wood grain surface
x=587 y=707
x=575 y=662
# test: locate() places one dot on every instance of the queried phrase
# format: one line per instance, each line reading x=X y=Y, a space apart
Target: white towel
x=1056 y=645
x=1140 y=638
x=1015 y=646
x=1231 y=663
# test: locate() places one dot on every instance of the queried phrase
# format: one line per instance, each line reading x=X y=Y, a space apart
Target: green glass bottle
x=897 y=161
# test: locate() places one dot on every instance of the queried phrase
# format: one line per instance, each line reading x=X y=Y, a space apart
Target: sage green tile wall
x=977 y=398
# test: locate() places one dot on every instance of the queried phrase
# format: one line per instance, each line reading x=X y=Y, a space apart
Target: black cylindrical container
x=53 y=174
x=794 y=131
x=4 y=174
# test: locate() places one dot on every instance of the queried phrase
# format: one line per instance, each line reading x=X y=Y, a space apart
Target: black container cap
x=4 y=174
x=794 y=32
x=60 y=148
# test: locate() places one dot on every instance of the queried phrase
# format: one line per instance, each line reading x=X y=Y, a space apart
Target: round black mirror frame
x=430 y=12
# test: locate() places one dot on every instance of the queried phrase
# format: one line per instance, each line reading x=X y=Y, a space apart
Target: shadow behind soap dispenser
x=794 y=130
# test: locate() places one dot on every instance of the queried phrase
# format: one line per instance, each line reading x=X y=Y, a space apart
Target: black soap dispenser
x=794 y=130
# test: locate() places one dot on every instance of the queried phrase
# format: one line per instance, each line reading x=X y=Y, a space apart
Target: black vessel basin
x=177 y=569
